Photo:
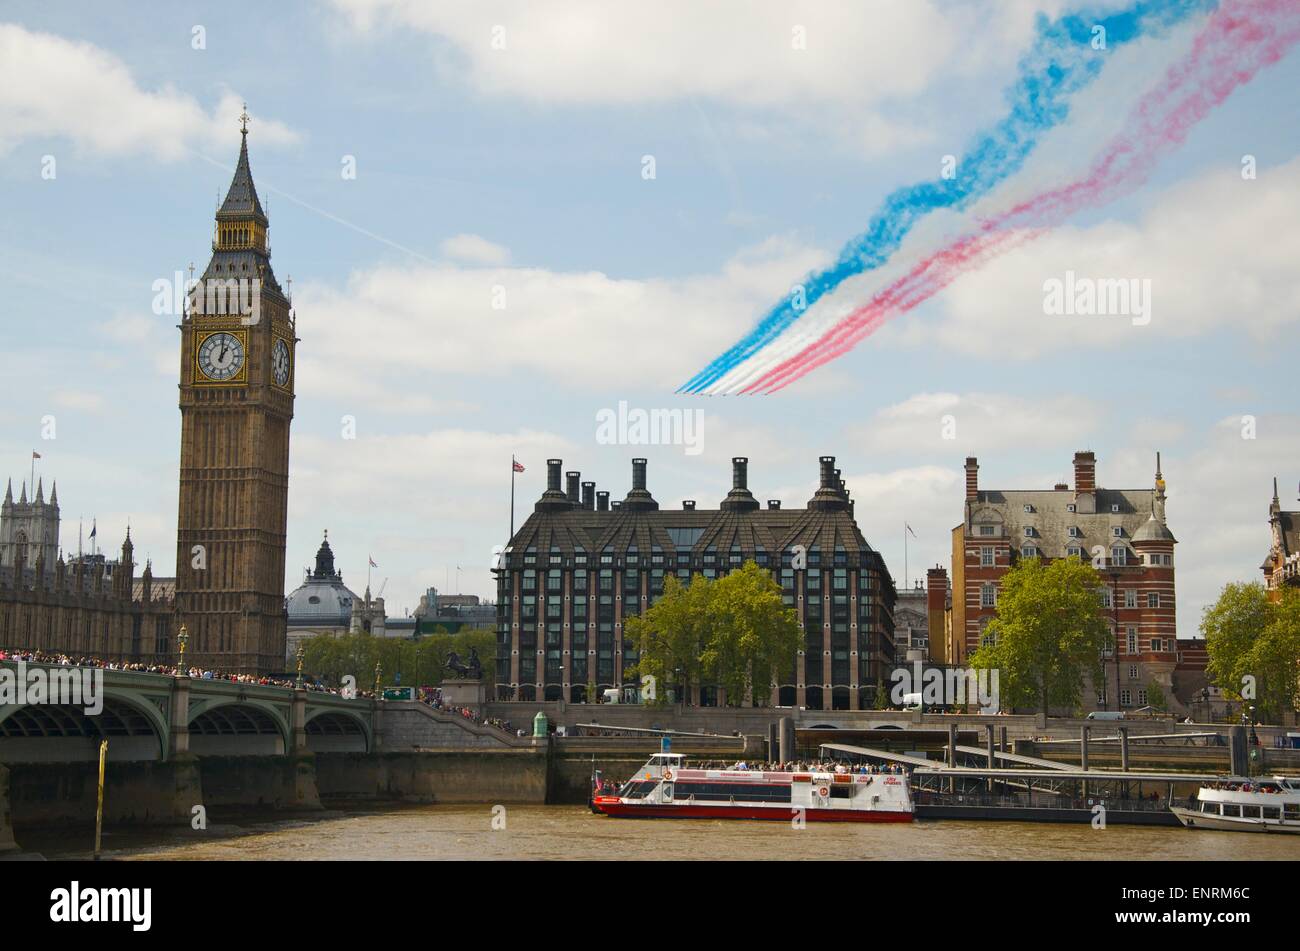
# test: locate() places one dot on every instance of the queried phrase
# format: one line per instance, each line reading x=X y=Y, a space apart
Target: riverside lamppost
x=378 y=670
x=302 y=651
x=182 y=639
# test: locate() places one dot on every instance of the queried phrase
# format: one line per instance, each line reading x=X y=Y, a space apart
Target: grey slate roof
x=242 y=204
x=1050 y=519
x=827 y=524
x=1290 y=525
x=241 y=198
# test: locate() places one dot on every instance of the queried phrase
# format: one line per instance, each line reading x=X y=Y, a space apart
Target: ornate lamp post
x=182 y=640
x=378 y=670
x=302 y=651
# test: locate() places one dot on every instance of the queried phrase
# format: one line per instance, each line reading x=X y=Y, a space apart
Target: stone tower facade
x=236 y=401
x=29 y=531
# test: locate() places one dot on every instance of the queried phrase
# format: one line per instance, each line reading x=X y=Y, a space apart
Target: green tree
x=753 y=638
x=1156 y=698
x=1253 y=645
x=1049 y=632
x=734 y=632
x=669 y=636
x=419 y=661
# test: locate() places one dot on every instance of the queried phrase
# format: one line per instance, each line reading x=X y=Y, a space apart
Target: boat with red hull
x=664 y=788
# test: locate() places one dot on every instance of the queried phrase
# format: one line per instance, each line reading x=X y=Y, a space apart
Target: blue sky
x=521 y=168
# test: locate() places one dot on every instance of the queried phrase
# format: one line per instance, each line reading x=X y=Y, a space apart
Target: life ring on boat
x=824 y=792
x=668 y=775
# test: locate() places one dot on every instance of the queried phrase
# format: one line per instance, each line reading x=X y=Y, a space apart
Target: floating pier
x=1035 y=790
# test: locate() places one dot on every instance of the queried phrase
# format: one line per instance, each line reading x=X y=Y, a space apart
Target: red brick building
x=1282 y=566
x=1121 y=531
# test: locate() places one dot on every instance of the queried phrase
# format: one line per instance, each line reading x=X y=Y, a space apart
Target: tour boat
x=1259 y=804
x=665 y=789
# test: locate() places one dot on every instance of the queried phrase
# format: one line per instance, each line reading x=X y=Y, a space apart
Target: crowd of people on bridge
x=30 y=656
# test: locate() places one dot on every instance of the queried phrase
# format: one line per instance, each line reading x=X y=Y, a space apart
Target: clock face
x=221 y=357
x=280 y=363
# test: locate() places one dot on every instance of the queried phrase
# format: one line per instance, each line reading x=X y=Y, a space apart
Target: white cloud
x=928 y=498
x=472 y=249
x=1220 y=253
x=743 y=52
x=575 y=328
x=53 y=88
x=955 y=425
x=417 y=502
x=1219 y=494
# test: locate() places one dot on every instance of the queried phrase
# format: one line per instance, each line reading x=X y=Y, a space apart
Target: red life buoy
x=823 y=792
x=668 y=774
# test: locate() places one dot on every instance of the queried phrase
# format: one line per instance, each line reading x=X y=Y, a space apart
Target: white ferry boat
x=664 y=788
x=1259 y=804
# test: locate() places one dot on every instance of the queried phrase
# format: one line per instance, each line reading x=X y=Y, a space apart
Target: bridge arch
x=337 y=731
x=66 y=733
x=238 y=728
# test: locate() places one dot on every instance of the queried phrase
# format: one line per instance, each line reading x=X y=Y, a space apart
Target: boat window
x=740 y=792
x=1210 y=807
x=842 y=792
x=1232 y=809
x=1272 y=812
x=1291 y=810
x=638 y=789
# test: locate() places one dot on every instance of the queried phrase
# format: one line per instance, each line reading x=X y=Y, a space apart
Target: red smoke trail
x=1239 y=39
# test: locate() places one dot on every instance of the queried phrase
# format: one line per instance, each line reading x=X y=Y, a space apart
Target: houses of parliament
x=236 y=383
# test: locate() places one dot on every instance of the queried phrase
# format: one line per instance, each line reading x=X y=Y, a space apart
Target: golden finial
x=243 y=120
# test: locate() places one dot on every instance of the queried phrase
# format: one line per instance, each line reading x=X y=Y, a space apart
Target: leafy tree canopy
x=1049 y=633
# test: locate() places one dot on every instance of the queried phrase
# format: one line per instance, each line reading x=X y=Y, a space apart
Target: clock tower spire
x=236 y=402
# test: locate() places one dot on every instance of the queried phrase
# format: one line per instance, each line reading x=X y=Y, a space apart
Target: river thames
x=572 y=832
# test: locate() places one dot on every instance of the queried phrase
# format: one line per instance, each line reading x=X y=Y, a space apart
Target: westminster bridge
x=179 y=746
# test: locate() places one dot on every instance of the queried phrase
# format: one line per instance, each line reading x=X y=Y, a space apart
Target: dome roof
x=317 y=601
x=1154 y=530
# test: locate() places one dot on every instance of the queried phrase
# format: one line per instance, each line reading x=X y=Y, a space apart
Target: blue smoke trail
x=1061 y=62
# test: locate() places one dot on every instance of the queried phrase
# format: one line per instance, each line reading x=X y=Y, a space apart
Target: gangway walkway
x=913 y=761
x=1015 y=758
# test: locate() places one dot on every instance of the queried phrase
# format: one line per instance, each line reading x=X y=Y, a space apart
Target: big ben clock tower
x=236 y=401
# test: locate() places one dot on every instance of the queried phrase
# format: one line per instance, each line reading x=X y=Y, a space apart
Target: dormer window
x=1118 y=555
x=1117 y=531
x=1114 y=507
x=1071 y=507
x=1029 y=509
x=987 y=529
x=1029 y=533
x=1074 y=531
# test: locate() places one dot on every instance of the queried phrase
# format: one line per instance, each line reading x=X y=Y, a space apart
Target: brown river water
x=441 y=833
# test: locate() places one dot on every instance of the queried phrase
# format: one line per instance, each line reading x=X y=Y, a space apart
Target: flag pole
x=905 y=554
x=512 y=499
